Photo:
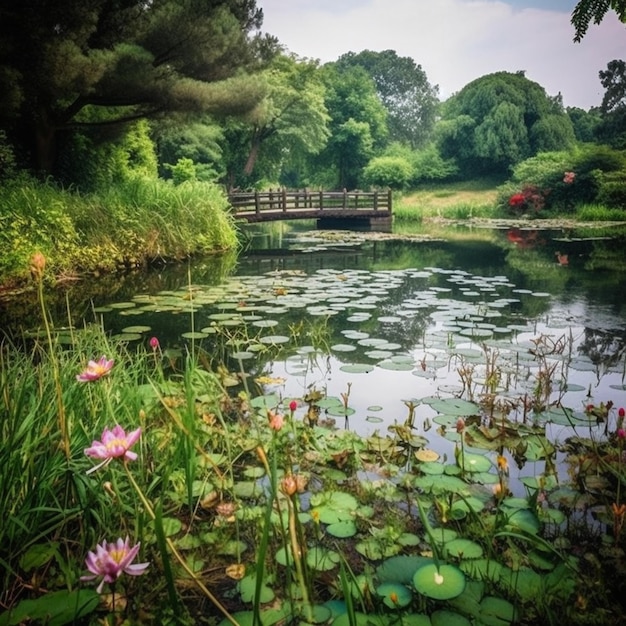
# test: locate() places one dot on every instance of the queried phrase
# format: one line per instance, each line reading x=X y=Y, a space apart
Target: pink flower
x=95 y=370
x=460 y=425
x=115 y=443
x=621 y=412
x=276 y=420
x=110 y=560
x=154 y=343
x=621 y=433
x=568 y=178
x=293 y=405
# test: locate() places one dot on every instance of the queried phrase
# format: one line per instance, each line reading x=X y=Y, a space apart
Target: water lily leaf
x=448 y=618
x=343 y=347
x=274 y=339
x=486 y=570
x=497 y=611
x=374 y=550
x=474 y=462
x=427 y=456
x=440 y=583
x=136 y=329
x=54 y=608
x=247 y=590
x=394 y=595
x=357 y=368
x=342 y=529
x=454 y=406
x=525 y=520
x=400 y=569
x=395 y=367
x=334 y=506
x=463 y=549
x=322 y=559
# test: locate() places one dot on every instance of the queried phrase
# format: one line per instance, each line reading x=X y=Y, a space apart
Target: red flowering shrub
x=531 y=198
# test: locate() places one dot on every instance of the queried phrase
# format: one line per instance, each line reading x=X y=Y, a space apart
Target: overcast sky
x=456 y=41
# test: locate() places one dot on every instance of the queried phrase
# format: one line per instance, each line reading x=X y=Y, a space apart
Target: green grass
x=461 y=200
x=127 y=225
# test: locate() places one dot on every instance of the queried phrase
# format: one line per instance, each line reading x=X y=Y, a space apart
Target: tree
x=358 y=126
x=584 y=122
x=500 y=119
x=613 y=80
x=587 y=11
x=404 y=90
x=129 y=59
x=612 y=128
x=197 y=141
x=290 y=121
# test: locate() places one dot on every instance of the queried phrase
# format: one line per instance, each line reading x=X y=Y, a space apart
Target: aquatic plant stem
x=297 y=556
x=150 y=510
x=61 y=417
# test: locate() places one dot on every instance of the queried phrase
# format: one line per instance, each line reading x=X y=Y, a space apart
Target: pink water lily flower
x=95 y=370
x=115 y=443
x=110 y=560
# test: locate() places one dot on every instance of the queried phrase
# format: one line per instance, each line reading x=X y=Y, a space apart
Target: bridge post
x=284 y=200
x=345 y=198
x=257 y=203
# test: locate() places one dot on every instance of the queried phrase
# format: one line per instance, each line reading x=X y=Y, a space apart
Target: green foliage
x=593 y=11
x=131 y=223
x=196 y=140
x=404 y=90
x=183 y=170
x=597 y=178
x=585 y=123
x=92 y=160
x=388 y=171
x=290 y=123
x=500 y=119
x=429 y=165
x=135 y=60
x=7 y=157
x=358 y=127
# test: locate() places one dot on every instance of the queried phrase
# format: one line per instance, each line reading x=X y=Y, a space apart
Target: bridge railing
x=282 y=200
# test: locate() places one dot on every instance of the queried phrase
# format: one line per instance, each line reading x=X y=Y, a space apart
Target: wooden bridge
x=332 y=209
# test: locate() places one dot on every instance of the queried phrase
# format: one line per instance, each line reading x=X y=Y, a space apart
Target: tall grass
x=131 y=223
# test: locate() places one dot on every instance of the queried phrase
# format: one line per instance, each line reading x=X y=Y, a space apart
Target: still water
x=382 y=327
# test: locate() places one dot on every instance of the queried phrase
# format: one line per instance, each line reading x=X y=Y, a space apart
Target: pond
x=394 y=320
x=464 y=362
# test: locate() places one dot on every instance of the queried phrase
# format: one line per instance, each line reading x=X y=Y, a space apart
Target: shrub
x=388 y=171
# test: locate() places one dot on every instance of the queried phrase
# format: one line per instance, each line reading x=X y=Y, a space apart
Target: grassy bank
x=127 y=225
x=457 y=200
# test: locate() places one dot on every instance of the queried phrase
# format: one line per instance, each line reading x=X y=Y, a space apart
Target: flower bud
x=37 y=265
x=289 y=485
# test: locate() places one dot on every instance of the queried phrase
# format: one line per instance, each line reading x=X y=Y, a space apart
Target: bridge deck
x=261 y=206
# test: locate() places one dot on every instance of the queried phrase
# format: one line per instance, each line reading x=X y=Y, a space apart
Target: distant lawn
x=471 y=198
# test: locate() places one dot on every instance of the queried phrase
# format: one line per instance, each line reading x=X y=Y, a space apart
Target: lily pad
x=441 y=582
x=394 y=595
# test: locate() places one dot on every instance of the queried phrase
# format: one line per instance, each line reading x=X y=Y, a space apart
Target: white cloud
x=455 y=41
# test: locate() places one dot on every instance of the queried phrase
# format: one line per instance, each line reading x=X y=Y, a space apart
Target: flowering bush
x=531 y=198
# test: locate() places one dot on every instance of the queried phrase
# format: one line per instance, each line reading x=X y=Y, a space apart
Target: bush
x=565 y=179
x=388 y=171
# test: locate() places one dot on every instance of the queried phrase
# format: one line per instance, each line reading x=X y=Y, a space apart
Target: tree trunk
x=255 y=145
x=45 y=145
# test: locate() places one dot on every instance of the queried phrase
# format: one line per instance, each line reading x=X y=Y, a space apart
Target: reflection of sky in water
x=429 y=311
x=389 y=389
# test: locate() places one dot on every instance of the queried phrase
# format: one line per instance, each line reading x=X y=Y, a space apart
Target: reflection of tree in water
x=603 y=348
